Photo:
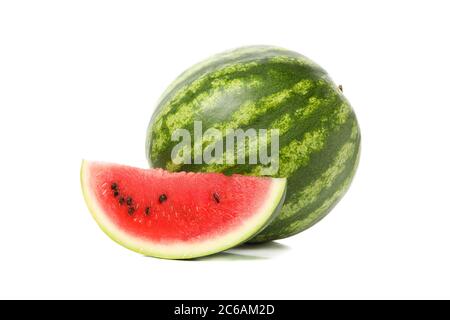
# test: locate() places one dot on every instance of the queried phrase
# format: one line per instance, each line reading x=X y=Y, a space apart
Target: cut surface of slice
x=178 y=215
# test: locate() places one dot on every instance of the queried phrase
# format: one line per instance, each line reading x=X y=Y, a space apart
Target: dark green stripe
x=220 y=61
x=261 y=93
x=290 y=106
x=278 y=228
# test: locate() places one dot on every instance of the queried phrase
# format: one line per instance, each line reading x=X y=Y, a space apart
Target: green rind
x=269 y=213
x=228 y=59
x=316 y=211
x=270 y=88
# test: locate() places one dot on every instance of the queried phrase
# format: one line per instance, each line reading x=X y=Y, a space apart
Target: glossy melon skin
x=178 y=215
x=264 y=87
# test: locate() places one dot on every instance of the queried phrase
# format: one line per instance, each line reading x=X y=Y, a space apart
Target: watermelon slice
x=178 y=215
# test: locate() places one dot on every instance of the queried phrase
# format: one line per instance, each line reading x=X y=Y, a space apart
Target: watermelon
x=178 y=215
x=264 y=87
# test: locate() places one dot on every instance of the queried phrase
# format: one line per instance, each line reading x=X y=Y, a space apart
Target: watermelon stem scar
x=178 y=215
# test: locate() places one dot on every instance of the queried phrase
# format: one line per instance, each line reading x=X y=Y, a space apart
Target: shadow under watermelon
x=259 y=251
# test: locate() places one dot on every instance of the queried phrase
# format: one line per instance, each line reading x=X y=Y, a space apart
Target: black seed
x=129 y=201
x=147 y=211
x=131 y=211
x=116 y=193
x=216 y=197
x=162 y=198
x=341 y=88
x=114 y=186
x=121 y=200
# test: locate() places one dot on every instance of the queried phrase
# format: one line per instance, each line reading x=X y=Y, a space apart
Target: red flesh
x=190 y=212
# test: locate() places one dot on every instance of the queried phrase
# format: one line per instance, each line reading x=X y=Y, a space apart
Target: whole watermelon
x=264 y=87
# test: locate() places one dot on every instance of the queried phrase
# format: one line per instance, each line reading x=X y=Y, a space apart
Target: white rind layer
x=183 y=249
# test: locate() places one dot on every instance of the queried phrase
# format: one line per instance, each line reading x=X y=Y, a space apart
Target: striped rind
x=264 y=87
x=265 y=214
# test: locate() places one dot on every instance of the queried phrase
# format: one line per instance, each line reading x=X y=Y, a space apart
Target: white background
x=79 y=79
